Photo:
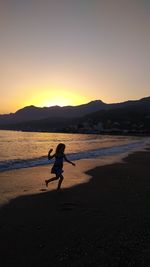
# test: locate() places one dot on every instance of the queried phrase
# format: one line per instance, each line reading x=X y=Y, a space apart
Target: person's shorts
x=56 y=170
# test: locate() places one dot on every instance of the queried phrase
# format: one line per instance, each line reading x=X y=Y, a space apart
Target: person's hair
x=60 y=147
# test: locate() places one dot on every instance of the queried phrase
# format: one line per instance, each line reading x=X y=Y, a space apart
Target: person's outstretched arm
x=49 y=154
x=69 y=160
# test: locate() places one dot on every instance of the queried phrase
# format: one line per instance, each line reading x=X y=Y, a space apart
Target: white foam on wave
x=114 y=150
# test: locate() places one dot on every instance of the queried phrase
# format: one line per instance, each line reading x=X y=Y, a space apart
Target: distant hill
x=129 y=115
x=118 y=111
x=30 y=113
x=132 y=118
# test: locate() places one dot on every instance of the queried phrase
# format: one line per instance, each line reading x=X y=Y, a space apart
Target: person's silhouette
x=57 y=168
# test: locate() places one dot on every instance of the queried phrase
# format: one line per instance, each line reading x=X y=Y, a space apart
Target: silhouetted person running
x=58 y=164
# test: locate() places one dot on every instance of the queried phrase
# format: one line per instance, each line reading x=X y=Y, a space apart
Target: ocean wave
x=26 y=163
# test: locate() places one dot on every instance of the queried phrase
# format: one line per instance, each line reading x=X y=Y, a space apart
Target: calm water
x=25 y=149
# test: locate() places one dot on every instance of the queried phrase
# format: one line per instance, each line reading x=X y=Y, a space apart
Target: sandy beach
x=25 y=181
x=103 y=222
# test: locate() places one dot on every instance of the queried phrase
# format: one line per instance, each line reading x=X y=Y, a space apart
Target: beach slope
x=104 y=222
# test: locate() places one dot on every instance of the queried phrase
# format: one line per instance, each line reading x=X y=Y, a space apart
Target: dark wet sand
x=105 y=222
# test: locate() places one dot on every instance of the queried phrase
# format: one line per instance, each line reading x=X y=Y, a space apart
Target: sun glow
x=64 y=99
x=47 y=98
x=56 y=101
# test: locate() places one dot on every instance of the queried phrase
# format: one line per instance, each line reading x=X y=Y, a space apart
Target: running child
x=57 y=168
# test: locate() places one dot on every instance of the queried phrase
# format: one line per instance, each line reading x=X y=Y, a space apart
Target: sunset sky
x=69 y=52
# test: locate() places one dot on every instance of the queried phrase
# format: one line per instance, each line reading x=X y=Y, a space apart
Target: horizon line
x=74 y=105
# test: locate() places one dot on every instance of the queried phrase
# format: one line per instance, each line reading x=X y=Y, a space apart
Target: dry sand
x=104 y=222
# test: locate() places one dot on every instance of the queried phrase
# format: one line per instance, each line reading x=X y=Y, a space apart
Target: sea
x=28 y=149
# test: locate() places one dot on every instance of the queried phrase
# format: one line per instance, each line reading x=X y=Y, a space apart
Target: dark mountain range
x=118 y=111
x=94 y=116
x=35 y=113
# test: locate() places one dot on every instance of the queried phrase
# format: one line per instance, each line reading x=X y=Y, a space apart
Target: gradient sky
x=68 y=52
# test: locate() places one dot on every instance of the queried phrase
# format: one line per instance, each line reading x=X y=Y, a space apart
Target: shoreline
x=111 y=133
x=31 y=180
x=104 y=222
x=27 y=181
x=123 y=146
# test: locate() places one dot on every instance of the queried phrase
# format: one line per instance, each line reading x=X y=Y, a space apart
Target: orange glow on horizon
x=47 y=98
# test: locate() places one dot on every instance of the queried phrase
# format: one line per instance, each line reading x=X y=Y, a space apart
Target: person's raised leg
x=50 y=180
